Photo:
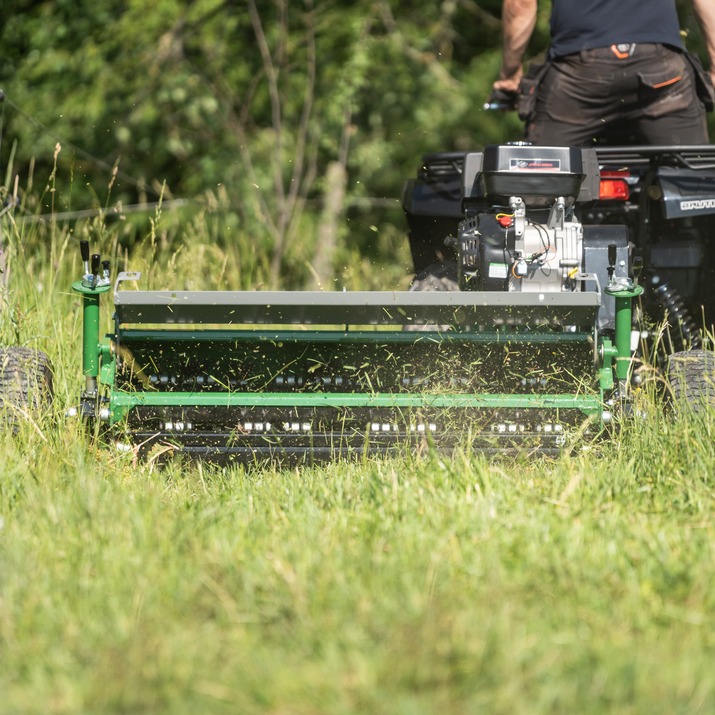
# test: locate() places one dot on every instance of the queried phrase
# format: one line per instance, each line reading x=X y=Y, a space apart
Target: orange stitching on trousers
x=667 y=82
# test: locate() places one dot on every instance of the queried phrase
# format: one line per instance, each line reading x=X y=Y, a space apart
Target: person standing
x=616 y=71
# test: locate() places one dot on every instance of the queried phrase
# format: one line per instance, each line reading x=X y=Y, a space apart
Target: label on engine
x=498 y=270
x=534 y=164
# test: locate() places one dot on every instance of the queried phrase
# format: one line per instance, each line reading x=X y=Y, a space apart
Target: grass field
x=582 y=584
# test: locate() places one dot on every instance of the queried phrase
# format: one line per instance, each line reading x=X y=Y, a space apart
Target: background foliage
x=264 y=106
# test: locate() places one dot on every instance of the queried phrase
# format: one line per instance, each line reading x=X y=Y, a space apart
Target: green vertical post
x=624 y=325
x=90 y=331
x=90 y=335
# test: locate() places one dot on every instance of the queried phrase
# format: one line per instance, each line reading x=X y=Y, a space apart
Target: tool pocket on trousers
x=528 y=87
x=666 y=86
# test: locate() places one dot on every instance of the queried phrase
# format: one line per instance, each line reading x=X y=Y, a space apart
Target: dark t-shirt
x=586 y=24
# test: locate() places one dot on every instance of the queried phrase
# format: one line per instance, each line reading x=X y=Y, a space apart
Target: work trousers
x=625 y=94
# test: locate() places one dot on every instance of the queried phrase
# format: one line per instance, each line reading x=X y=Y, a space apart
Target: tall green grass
x=581 y=584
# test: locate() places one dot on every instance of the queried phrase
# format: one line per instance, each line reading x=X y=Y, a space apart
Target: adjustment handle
x=612 y=257
x=84 y=250
x=612 y=253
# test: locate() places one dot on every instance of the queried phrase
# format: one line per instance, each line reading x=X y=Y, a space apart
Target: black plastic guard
x=686 y=192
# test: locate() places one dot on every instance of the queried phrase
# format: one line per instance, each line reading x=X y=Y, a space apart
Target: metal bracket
x=126 y=276
x=518 y=208
x=557 y=215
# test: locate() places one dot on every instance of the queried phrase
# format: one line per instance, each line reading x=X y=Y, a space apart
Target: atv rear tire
x=25 y=379
x=692 y=378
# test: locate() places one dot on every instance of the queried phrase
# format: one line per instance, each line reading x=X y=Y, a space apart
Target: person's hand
x=501 y=100
x=509 y=79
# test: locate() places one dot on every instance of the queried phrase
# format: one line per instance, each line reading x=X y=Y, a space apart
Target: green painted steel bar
x=624 y=325
x=122 y=402
x=90 y=327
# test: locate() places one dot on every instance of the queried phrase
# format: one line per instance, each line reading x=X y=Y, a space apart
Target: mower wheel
x=25 y=378
x=691 y=374
x=437 y=277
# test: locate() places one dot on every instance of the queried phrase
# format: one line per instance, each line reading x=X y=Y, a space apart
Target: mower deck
x=315 y=375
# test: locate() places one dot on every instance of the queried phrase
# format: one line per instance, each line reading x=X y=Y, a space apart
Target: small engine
x=520 y=232
x=510 y=251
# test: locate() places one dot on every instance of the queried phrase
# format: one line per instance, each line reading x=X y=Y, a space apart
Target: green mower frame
x=248 y=374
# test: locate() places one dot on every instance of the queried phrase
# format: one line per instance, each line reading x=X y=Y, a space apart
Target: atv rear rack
x=691 y=157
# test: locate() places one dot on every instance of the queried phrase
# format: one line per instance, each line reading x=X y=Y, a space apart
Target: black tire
x=437 y=277
x=25 y=379
x=691 y=375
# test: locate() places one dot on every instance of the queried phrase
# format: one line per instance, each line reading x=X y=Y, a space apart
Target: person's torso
x=587 y=24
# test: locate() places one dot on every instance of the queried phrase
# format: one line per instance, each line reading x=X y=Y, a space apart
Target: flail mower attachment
x=536 y=342
x=310 y=376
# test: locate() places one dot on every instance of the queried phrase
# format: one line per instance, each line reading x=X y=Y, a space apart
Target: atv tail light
x=614 y=186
